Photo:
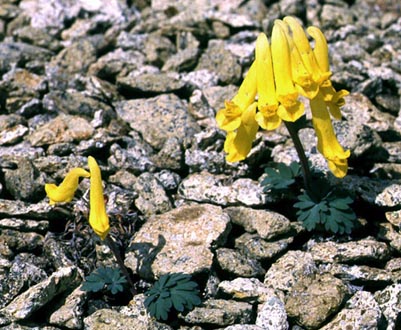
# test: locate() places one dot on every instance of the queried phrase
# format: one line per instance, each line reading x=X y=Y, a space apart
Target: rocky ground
x=136 y=84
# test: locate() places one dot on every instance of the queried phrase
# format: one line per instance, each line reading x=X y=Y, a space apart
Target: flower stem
x=301 y=154
x=113 y=247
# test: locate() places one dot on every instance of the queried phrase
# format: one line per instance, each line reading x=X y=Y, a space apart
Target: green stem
x=113 y=247
x=301 y=154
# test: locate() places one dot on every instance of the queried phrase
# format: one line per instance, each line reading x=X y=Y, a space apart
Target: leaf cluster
x=172 y=291
x=105 y=278
x=326 y=209
x=282 y=177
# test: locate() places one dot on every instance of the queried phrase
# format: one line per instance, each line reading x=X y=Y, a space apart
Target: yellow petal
x=229 y=118
x=247 y=91
x=98 y=218
x=282 y=64
x=239 y=143
x=333 y=99
x=327 y=142
x=321 y=50
x=66 y=190
x=268 y=122
x=265 y=77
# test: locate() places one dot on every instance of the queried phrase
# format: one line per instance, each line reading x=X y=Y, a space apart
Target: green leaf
x=107 y=278
x=172 y=291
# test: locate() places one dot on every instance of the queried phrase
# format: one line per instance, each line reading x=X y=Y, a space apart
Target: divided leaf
x=172 y=291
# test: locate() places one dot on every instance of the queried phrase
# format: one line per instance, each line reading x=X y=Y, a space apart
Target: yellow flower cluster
x=63 y=193
x=281 y=72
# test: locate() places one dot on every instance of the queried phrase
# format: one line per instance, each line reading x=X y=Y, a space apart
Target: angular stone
x=204 y=187
x=158 y=118
x=267 y=224
x=389 y=300
x=70 y=314
x=238 y=264
x=272 y=314
x=164 y=244
x=390 y=196
x=256 y=247
x=63 y=128
x=37 y=296
x=220 y=312
x=24 y=225
x=152 y=198
x=365 y=250
x=360 y=312
x=293 y=267
x=246 y=289
x=310 y=303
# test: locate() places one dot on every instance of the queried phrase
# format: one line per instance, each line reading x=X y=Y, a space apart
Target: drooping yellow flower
x=65 y=191
x=267 y=116
x=327 y=142
x=290 y=109
x=238 y=143
x=229 y=118
x=98 y=218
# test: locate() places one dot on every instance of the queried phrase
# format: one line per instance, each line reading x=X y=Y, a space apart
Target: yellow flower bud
x=98 y=218
x=65 y=191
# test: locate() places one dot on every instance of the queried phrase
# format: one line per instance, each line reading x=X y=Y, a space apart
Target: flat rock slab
x=178 y=241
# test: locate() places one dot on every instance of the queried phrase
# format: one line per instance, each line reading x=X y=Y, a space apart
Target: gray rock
x=293 y=267
x=104 y=319
x=360 y=274
x=170 y=155
x=22 y=272
x=150 y=83
x=73 y=102
x=335 y=16
x=70 y=314
x=221 y=61
x=311 y=303
x=21 y=86
x=25 y=182
x=238 y=264
x=259 y=249
x=136 y=310
x=158 y=49
x=135 y=157
x=76 y=58
x=360 y=312
x=37 y=296
x=200 y=78
x=164 y=244
x=152 y=198
x=220 y=312
x=246 y=289
x=11 y=208
x=268 y=224
x=390 y=234
x=158 y=118
x=117 y=63
x=19 y=53
x=389 y=303
x=183 y=60
x=390 y=196
x=20 y=241
x=25 y=225
x=365 y=250
x=203 y=187
x=272 y=314
x=168 y=179
x=243 y=327
x=37 y=37
x=63 y=128
x=12 y=129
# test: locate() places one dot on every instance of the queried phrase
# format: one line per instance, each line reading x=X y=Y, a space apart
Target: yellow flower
x=267 y=116
x=98 y=218
x=66 y=190
x=238 y=143
x=290 y=109
x=327 y=143
x=229 y=118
